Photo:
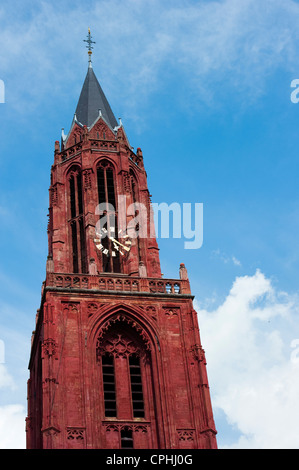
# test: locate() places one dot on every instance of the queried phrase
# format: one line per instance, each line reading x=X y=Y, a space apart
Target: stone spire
x=92 y=101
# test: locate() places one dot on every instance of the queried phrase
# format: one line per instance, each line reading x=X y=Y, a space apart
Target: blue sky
x=203 y=87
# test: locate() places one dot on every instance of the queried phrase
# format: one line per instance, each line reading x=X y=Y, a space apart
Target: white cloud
x=236 y=261
x=12 y=417
x=15 y=333
x=12 y=428
x=226 y=259
x=253 y=374
x=6 y=379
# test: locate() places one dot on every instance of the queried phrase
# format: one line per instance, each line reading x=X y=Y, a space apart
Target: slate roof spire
x=92 y=99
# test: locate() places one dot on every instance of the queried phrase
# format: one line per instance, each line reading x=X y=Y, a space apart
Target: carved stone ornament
x=122 y=318
x=198 y=353
x=75 y=434
x=127 y=182
x=186 y=434
x=49 y=347
x=87 y=179
x=128 y=427
x=171 y=311
x=151 y=311
x=54 y=196
x=92 y=308
x=118 y=346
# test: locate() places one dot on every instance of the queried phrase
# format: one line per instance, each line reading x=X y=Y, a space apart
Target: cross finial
x=89 y=46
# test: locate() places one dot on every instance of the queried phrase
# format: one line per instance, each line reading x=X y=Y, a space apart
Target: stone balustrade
x=116 y=282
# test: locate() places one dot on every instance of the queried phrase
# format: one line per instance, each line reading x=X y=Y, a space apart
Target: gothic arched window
x=134 y=187
x=106 y=190
x=107 y=202
x=125 y=364
x=76 y=221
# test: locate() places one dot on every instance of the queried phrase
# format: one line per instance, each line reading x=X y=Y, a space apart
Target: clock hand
x=116 y=241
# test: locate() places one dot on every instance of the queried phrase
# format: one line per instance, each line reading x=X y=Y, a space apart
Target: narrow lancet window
x=136 y=387
x=107 y=201
x=76 y=221
x=135 y=201
x=109 y=386
x=73 y=196
x=74 y=246
x=126 y=438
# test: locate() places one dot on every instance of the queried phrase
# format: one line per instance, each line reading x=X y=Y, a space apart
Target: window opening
x=74 y=247
x=136 y=387
x=126 y=437
x=106 y=195
x=109 y=385
x=78 y=242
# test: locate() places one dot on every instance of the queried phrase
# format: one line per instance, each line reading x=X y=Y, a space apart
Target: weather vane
x=89 y=46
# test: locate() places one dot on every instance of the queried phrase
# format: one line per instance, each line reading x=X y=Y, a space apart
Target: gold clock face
x=110 y=245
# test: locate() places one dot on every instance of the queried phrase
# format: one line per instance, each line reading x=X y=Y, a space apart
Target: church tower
x=116 y=359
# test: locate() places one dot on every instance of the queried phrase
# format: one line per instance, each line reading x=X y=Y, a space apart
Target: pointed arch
x=136 y=200
x=125 y=350
x=107 y=199
x=122 y=321
x=76 y=219
x=106 y=182
x=125 y=313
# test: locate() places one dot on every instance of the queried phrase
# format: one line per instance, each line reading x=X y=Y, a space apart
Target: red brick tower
x=116 y=358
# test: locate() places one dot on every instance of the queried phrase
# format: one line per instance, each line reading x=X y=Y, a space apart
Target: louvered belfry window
x=109 y=385
x=136 y=386
x=123 y=373
x=76 y=221
x=107 y=201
